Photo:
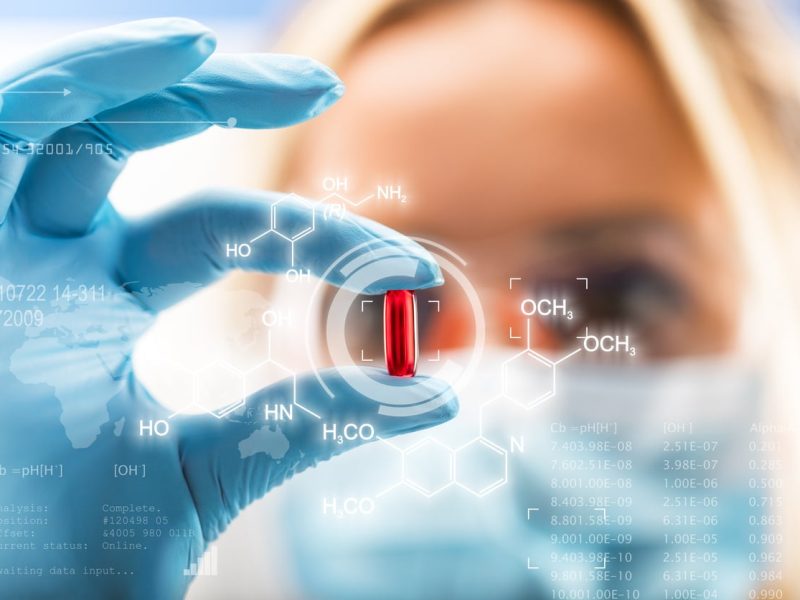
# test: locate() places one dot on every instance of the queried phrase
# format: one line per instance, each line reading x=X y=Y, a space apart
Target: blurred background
x=273 y=550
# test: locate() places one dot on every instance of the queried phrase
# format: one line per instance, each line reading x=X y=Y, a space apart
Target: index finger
x=80 y=75
x=168 y=256
x=83 y=74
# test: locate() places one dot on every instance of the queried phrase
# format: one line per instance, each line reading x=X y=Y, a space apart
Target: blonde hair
x=733 y=71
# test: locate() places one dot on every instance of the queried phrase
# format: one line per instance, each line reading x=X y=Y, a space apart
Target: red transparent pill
x=400 y=332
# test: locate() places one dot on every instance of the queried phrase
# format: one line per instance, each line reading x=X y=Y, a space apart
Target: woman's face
x=555 y=151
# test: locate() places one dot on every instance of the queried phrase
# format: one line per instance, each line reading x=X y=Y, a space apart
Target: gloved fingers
x=290 y=426
x=168 y=256
x=62 y=194
x=81 y=75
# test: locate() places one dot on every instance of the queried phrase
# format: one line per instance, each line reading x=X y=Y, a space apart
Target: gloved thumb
x=290 y=426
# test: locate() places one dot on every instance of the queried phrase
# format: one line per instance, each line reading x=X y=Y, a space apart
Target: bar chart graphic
x=205 y=566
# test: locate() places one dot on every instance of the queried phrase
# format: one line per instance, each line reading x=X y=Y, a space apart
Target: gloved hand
x=79 y=285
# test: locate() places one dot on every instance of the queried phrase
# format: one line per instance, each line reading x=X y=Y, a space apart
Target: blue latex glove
x=68 y=397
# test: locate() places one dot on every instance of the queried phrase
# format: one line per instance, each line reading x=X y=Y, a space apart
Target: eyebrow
x=589 y=230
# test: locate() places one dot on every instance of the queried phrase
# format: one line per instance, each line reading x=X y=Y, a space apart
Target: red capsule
x=400 y=332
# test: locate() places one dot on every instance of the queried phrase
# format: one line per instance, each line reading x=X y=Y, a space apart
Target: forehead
x=526 y=112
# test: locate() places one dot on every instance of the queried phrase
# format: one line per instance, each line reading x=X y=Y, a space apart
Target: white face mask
x=713 y=397
x=507 y=543
x=701 y=400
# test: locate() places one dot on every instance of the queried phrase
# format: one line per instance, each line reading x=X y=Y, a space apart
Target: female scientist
x=648 y=146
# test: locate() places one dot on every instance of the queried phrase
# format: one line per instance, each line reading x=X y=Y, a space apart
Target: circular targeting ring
x=358 y=270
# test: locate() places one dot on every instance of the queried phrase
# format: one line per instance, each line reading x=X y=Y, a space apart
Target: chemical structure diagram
x=221 y=382
x=528 y=379
x=335 y=204
x=429 y=466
